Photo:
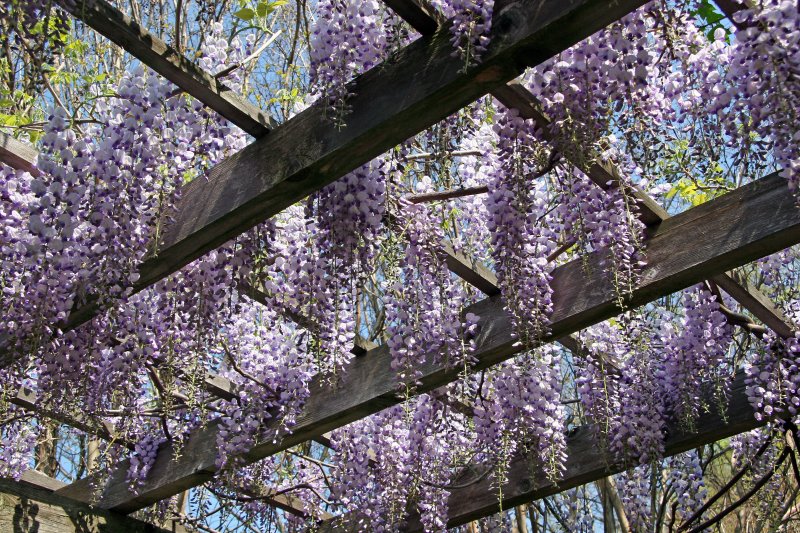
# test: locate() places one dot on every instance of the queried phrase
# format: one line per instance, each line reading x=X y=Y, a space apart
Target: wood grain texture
x=29 y=506
x=17 y=154
x=155 y=53
x=744 y=225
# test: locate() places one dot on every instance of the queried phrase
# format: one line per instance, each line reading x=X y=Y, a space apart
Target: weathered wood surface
x=17 y=154
x=587 y=461
x=152 y=51
x=29 y=506
x=744 y=225
x=420 y=85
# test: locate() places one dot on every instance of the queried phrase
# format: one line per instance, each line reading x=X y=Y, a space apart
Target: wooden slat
x=420 y=14
x=418 y=87
x=119 y=28
x=751 y=222
x=26 y=399
x=17 y=155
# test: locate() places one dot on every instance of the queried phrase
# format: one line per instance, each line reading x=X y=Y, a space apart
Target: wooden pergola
x=421 y=85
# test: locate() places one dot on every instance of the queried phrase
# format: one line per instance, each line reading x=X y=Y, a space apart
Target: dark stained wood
x=756 y=302
x=420 y=85
x=420 y=14
x=470 y=270
x=751 y=222
x=30 y=506
x=446 y=195
x=17 y=154
x=155 y=53
x=729 y=7
x=26 y=399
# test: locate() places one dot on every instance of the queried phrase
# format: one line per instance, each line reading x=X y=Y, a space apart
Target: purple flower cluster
x=773 y=377
x=695 y=352
x=471 y=25
x=348 y=37
x=521 y=236
x=686 y=480
x=521 y=410
x=763 y=80
x=423 y=305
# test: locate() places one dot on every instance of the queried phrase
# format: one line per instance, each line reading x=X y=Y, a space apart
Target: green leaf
x=261 y=9
x=245 y=14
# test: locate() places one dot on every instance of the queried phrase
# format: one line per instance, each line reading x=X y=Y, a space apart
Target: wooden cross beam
x=119 y=28
x=30 y=505
x=755 y=220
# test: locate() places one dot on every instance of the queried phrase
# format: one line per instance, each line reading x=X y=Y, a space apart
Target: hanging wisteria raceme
x=272 y=374
x=17 y=443
x=773 y=377
x=423 y=304
x=399 y=459
x=605 y=222
x=619 y=66
x=763 y=82
x=522 y=239
x=686 y=480
x=624 y=394
x=520 y=410
x=346 y=223
x=634 y=491
x=348 y=37
x=470 y=26
x=694 y=356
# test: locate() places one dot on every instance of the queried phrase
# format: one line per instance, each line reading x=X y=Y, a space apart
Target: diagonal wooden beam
x=17 y=154
x=419 y=86
x=119 y=28
x=30 y=505
x=741 y=226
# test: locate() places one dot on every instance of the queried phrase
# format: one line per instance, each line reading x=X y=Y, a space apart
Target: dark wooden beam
x=419 y=86
x=119 y=28
x=751 y=222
